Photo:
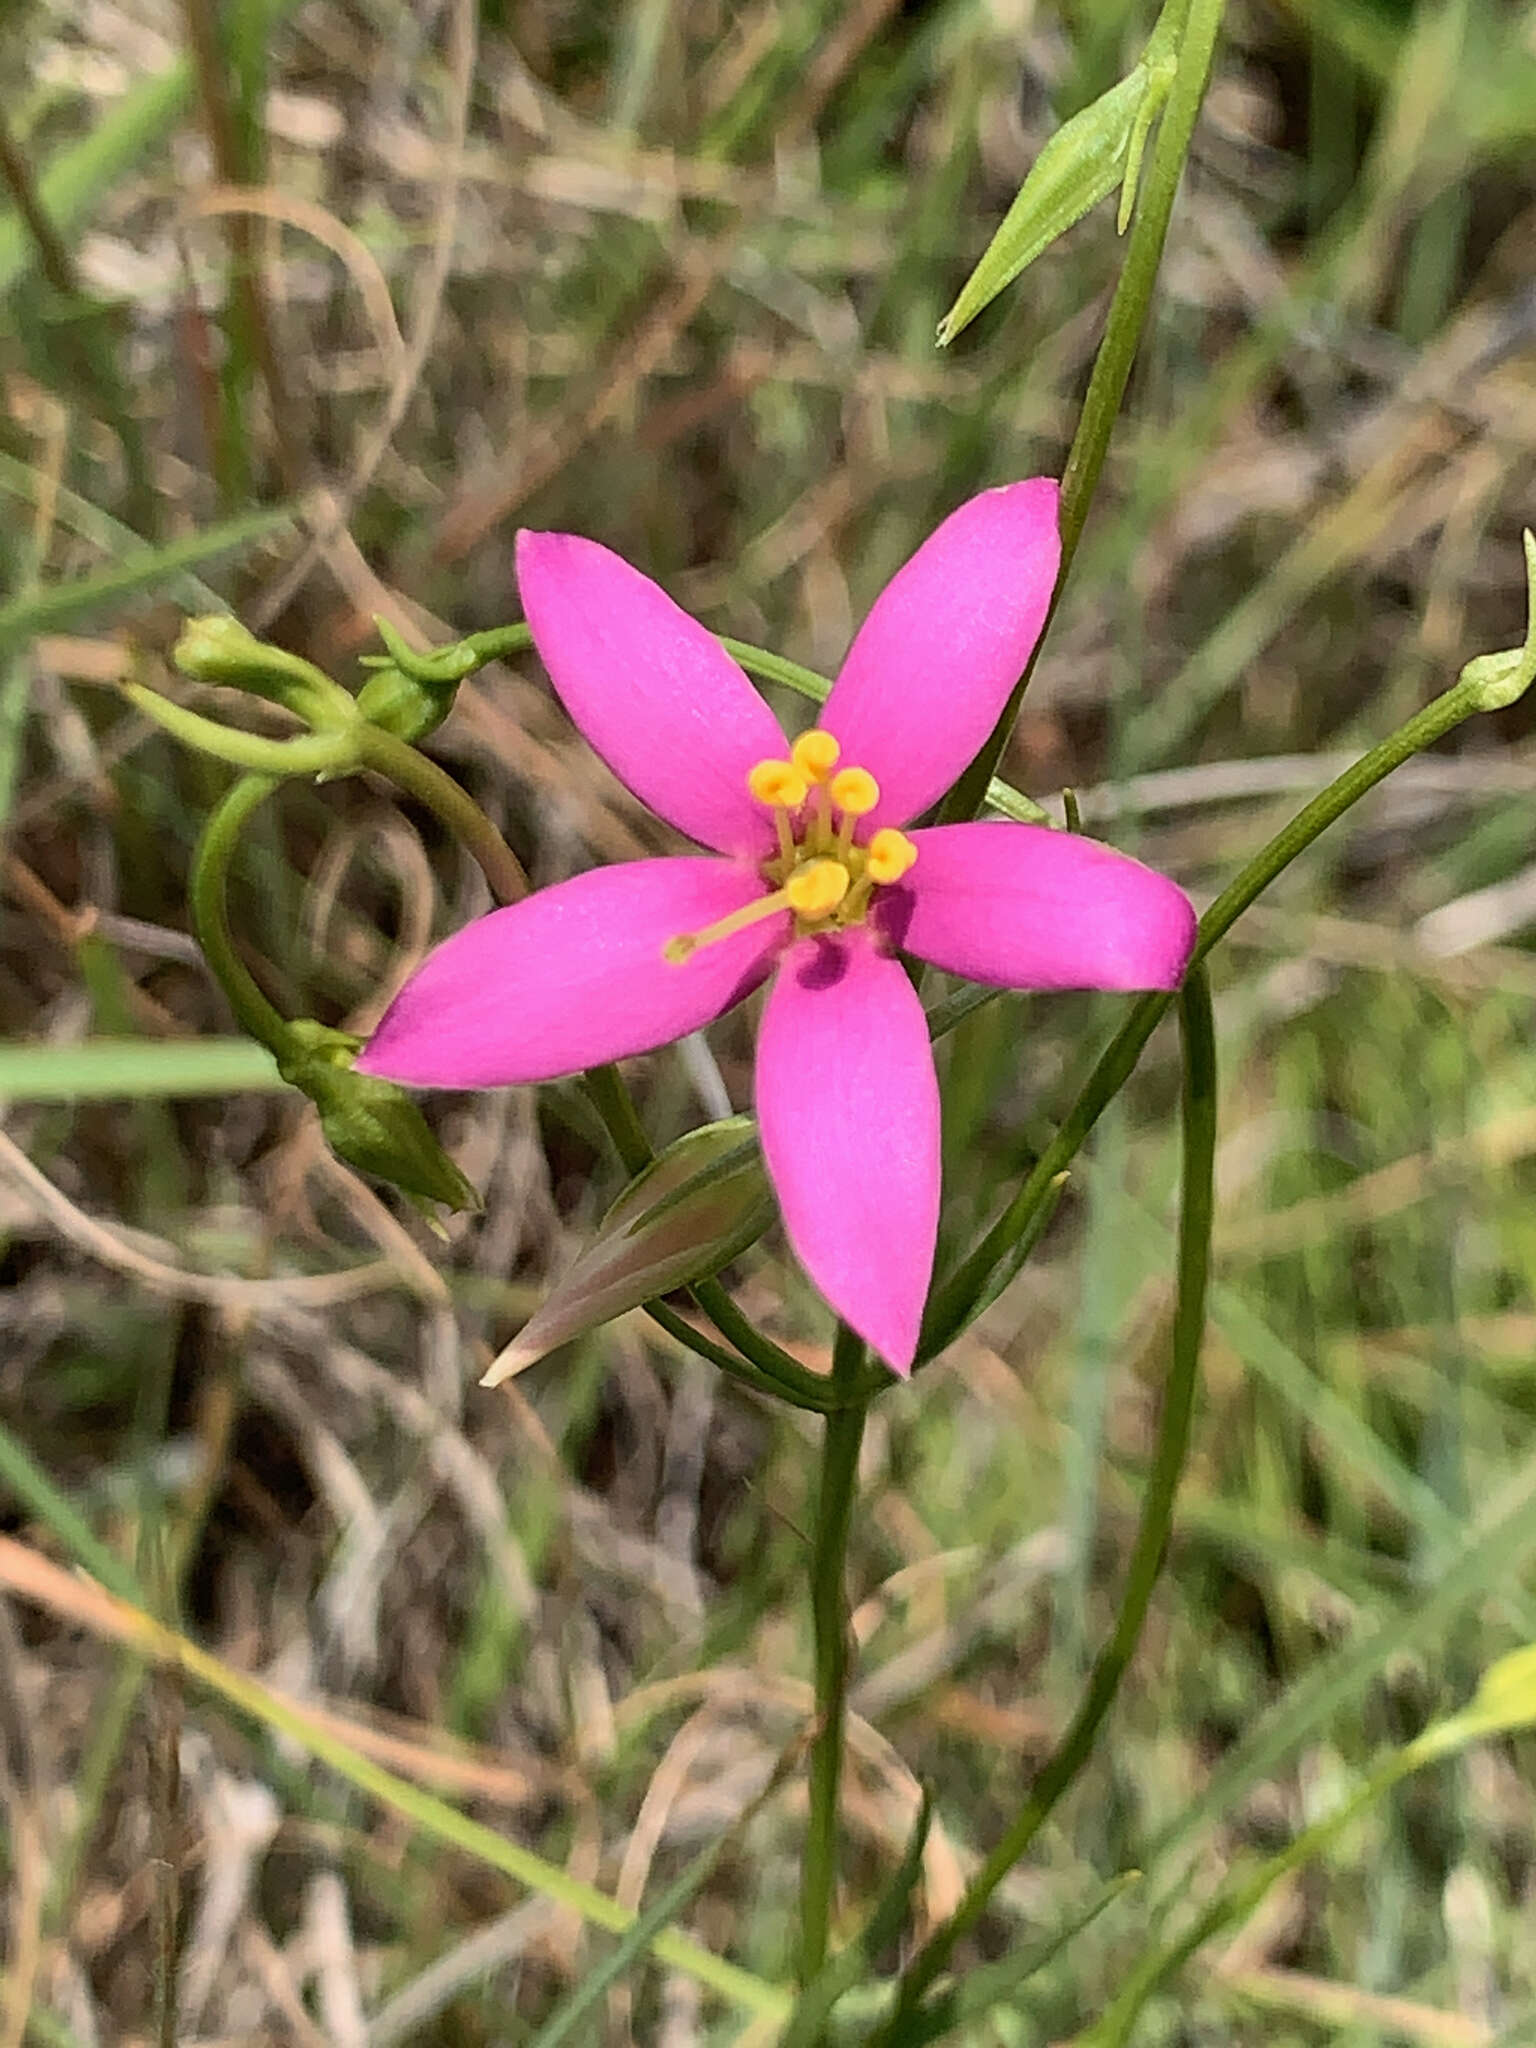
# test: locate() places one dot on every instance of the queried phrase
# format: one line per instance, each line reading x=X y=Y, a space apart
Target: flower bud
x=1498 y=680
x=697 y=1207
x=410 y=694
x=370 y=1123
x=218 y=649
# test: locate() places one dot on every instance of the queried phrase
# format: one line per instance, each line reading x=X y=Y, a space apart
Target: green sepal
x=410 y=694
x=370 y=1123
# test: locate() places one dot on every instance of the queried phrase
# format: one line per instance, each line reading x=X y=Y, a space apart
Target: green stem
x=1117 y=352
x=1075 y=1747
x=433 y=786
x=986 y=1271
x=836 y=1489
x=210 y=909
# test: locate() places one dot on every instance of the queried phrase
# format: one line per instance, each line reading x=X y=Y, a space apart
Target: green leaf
x=1081 y=164
x=1099 y=148
x=697 y=1207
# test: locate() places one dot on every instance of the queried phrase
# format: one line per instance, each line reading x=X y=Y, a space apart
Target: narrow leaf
x=979 y=1990
x=59 y=604
x=1081 y=164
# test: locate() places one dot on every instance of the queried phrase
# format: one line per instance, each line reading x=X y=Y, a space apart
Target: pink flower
x=811 y=881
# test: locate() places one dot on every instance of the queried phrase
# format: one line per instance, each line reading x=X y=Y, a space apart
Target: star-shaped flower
x=812 y=880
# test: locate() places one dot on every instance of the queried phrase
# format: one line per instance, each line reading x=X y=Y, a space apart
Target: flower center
x=820 y=871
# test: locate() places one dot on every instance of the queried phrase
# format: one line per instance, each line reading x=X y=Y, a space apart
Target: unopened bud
x=218 y=649
x=691 y=1212
x=1498 y=680
x=370 y=1123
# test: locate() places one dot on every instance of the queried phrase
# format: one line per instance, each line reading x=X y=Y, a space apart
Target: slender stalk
x=210 y=909
x=1075 y=1747
x=252 y=344
x=836 y=1488
x=433 y=786
x=1117 y=352
x=988 y=1268
x=53 y=255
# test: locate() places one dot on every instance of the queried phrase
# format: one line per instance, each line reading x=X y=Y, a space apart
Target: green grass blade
x=844 y=1970
x=22 y=1476
x=101 y=1069
x=573 y=2011
x=65 y=604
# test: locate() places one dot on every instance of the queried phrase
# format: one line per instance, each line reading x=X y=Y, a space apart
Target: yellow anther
x=889 y=854
x=815 y=754
x=780 y=783
x=855 y=791
x=817 y=889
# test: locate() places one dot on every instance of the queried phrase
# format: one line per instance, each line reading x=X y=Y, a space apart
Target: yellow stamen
x=889 y=854
x=778 y=782
x=855 y=791
x=686 y=944
x=815 y=754
x=817 y=889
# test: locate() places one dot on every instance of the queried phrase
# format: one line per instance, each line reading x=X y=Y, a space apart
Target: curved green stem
x=993 y=1262
x=1117 y=351
x=319 y=753
x=1075 y=1747
x=207 y=890
x=422 y=778
x=837 y=1487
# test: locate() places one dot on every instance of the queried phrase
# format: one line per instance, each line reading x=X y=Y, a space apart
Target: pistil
x=813 y=892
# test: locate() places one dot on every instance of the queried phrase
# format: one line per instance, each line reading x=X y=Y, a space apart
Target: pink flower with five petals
x=811 y=880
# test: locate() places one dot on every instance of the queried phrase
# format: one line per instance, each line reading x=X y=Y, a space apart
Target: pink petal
x=656 y=696
x=1024 y=907
x=849 y=1112
x=931 y=667
x=574 y=976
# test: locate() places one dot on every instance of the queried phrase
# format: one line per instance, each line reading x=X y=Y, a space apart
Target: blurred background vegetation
x=378 y=283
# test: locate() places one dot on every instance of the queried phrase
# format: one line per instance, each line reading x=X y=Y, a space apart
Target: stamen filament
x=820 y=834
x=787 y=848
